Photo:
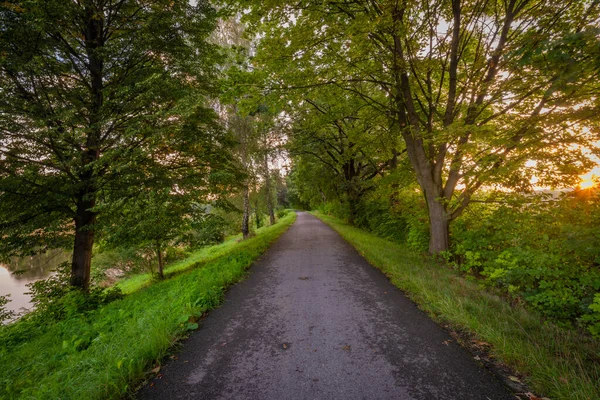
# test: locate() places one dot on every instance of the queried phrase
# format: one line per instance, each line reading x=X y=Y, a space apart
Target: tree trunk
x=439 y=223
x=323 y=197
x=268 y=189
x=85 y=218
x=161 y=274
x=82 y=248
x=353 y=199
x=256 y=214
x=246 y=214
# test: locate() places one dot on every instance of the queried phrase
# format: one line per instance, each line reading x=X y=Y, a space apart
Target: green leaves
x=102 y=103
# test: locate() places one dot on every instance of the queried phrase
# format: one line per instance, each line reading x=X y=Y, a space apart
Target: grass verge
x=196 y=259
x=559 y=363
x=99 y=355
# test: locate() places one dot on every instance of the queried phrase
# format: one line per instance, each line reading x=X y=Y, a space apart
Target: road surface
x=315 y=321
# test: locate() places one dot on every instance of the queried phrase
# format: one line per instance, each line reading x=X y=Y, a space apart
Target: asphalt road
x=315 y=321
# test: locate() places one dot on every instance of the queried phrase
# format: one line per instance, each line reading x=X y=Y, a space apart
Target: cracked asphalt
x=315 y=321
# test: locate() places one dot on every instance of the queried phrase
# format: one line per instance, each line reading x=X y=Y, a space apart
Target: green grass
x=102 y=354
x=197 y=258
x=555 y=362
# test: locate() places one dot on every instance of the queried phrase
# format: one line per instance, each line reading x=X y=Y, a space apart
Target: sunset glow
x=590 y=179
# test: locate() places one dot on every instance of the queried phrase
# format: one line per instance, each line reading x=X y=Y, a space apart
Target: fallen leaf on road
x=514 y=379
x=477 y=358
x=285 y=346
x=155 y=370
x=347 y=348
x=447 y=342
x=304 y=278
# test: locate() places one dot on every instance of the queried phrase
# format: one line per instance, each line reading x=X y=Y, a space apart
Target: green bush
x=175 y=253
x=544 y=252
x=5 y=315
x=126 y=260
x=211 y=230
x=376 y=216
x=54 y=299
x=592 y=318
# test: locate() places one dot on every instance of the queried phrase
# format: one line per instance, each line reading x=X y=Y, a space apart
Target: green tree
x=90 y=90
x=154 y=221
x=350 y=142
x=474 y=88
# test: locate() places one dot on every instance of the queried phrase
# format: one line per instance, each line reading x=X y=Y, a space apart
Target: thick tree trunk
x=439 y=223
x=246 y=214
x=161 y=273
x=82 y=248
x=268 y=189
x=85 y=218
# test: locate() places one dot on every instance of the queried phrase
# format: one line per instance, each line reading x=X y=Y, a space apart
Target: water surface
x=15 y=275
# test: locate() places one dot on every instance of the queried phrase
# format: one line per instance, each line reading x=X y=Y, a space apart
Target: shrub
x=545 y=252
x=54 y=299
x=5 y=315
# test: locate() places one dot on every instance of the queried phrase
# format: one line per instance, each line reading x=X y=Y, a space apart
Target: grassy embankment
x=558 y=363
x=101 y=354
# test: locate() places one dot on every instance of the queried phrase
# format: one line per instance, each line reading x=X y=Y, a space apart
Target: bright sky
x=593 y=177
x=588 y=179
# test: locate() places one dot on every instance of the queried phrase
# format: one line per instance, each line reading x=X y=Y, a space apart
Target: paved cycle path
x=315 y=321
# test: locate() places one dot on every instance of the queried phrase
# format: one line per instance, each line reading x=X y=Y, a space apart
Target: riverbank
x=105 y=353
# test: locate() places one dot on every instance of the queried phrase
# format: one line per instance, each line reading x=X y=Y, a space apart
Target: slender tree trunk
x=268 y=189
x=81 y=264
x=256 y=214
x=353 y=199
x=246 y=214
x=161 y=273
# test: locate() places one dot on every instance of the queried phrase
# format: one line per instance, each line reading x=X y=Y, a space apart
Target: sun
x=586 y=184
x=590 y=179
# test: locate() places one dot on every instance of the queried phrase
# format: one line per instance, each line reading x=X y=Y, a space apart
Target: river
x=15 y=276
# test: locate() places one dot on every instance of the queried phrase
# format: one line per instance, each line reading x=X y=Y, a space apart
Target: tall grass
x=559 y=363
x=100 y=355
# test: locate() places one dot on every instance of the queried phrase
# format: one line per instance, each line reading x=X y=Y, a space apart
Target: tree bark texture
x=159 y=254
x=82 y=249
x=268 y=190
x=246 y=214
x=85 y=218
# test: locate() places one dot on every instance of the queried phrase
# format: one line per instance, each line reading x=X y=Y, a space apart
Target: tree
x=473 y=88
x=337 y=130
x=155 y=221
x=90 y=90
x=241 y=128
